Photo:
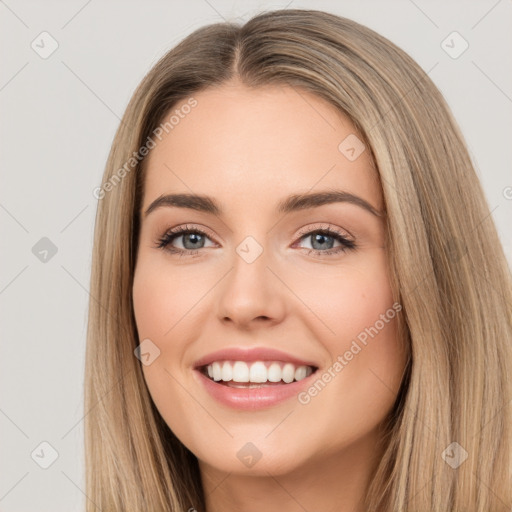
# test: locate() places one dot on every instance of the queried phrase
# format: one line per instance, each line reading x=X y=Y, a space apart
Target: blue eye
x=193 y=237
x=322 y=242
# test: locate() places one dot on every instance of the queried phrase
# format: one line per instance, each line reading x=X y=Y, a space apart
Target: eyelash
x=346 y=244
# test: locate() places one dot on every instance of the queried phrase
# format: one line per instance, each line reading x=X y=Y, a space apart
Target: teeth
x=240 y=372
x=274 y=372
x=227 y=372
x=257 y=372
x=300 y=372
x=217 y=372
x=288 y=372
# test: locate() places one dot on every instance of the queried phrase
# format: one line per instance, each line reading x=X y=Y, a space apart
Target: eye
x=322 y=241
x=193 y=239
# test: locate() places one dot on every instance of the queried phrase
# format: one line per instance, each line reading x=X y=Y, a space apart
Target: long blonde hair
x=448 y=271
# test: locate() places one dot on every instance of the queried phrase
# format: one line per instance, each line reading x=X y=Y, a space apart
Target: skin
x=249 y=149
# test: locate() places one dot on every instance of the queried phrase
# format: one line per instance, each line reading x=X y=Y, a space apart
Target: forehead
x=253 y=146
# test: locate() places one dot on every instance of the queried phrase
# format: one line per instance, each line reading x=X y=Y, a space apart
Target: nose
x=251 y=295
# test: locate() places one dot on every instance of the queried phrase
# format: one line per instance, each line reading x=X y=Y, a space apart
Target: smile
x=243 y=374
x=254 y=386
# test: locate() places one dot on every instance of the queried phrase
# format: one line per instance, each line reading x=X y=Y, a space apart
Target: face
x=285 y=289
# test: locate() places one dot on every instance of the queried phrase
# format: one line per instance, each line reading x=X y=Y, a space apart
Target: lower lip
x=253 y=398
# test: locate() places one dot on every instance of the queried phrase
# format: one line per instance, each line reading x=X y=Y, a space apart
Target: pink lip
x=255 y=398
x=250 y=355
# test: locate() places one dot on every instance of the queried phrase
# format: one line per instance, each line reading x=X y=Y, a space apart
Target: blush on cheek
x=365 y=323
x=358 y=316
x=160 y=301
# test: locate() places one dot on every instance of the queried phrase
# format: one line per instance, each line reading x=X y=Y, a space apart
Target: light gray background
x=58 y=118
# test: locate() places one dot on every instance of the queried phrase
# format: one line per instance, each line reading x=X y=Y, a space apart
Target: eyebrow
x=292 y=203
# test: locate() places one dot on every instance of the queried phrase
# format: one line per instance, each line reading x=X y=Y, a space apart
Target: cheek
x=366 y=326
x=357 y=325
x=162 y=298
x=347 y=301
x=167 y=303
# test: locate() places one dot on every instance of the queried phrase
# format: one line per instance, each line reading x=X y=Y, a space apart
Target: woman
x=298 y=296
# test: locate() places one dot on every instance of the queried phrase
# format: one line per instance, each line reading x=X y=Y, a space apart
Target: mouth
x=246 y=375
x=254 y=385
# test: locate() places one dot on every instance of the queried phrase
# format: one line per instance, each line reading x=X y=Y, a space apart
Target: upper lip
x=250 y=355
